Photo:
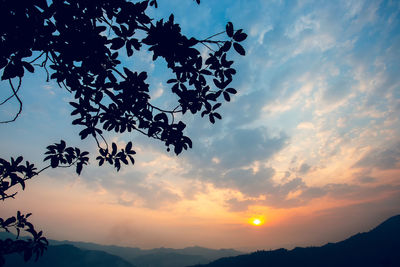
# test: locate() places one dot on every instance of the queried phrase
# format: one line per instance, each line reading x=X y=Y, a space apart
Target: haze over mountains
x=378 y=247
x=80 y=254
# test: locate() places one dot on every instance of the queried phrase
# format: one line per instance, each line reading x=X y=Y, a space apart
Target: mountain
x=168 y=260
x=158 y=257
x=68 y=256
x=378 y=247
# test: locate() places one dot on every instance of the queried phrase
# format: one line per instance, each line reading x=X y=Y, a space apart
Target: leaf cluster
x=115 y=157
x=82 y=42
x=34 y=245
x=60 y=155
x=79 y=44
x=12 y=173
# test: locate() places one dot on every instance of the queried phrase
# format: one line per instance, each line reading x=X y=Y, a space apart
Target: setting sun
x=256 y=221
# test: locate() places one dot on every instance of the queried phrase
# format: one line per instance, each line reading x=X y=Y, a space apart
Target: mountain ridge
x=68 y=256
x=377 y=247
x=157 y=257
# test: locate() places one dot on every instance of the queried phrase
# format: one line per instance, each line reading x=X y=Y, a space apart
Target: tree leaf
x=227 y=45
x=217 y=115
x=128 y=147
x=211 y=116
x=227 y=97
x=129 y=50
x=54 y=162
x=239 y=36
x=239 y=49
x=229 y=29
x=231 y=90
x=114 y=149
x=117 y=43
x=9 y=221
x=28 y=67
x=216 y=106
x=79 y=168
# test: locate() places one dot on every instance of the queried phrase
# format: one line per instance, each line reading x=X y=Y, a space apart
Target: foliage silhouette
x=79 y=45
x=70 y=256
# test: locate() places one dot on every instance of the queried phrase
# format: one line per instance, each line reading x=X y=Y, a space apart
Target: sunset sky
x=310 y=145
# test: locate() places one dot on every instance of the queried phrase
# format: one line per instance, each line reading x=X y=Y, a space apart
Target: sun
x=257 y=221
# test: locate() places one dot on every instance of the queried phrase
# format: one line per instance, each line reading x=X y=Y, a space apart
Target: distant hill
x=158 y=257
x=378 y=247
x=168 y=260
x=68 y=256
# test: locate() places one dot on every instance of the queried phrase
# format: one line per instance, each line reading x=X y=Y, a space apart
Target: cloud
x=383 y=159
x=156 y=195
x=236 y=205
x=244 y=146
x=272 y=194
x=367 y=179
x=312 y=193
x=232 y=149
x=250 y=106
x=308 y=69
x=225 y=158
x=337 y=89
x=304 y=23
x=304 y=168
x=248 y=182
x=131 y=187
x=306 y=125
x=158 y=92
x=296 y=193
x=297 y=64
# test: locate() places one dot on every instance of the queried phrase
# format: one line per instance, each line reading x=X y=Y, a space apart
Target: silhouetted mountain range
x=158 y=257
x=69 y=256
x=378 y=247
x=86 y=254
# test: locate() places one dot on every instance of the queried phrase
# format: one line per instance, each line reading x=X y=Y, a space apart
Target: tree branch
x=37 y=57
x=11 y=96
x=16 y=96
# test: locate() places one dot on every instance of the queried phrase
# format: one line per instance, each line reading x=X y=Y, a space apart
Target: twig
x=19 y=100
x=120 y=74
x=215 y=35
x=166 y=111
x=37 y=58
x=207 y=46
x=11 y=96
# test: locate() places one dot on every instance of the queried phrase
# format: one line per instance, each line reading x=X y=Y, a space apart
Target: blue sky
x=311 y=138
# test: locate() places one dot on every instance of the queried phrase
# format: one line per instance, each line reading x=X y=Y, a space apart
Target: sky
x=310 y=145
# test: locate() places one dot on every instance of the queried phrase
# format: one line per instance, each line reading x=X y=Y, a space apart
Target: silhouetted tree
x=78 y=43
